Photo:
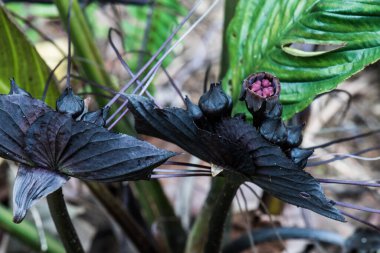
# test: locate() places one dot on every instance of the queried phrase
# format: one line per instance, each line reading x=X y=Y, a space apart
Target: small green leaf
x=19 y=59
x=260 y=33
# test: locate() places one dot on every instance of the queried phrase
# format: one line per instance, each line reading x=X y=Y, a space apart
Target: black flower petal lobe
x=17 y=113
x=15 y=90
x=32 y=184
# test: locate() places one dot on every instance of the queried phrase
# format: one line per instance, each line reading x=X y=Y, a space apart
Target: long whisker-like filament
x=97 y=85
x=266 y=210
x=205 y=81
x=246 y=215
x=51 y=74
x=344 y=113
x=163 y=46
x=357 y=207
x=360 y=220
x=348 y=182
x=155 y=176
x=123 y=62
x=40 y=228
x=339 y=156
x=141 y=92
x=167 y=52
x=345 y=139
x=187 y=164
x=94 y=93
x=179 y=170
x=174 y=85
x=348 y=156
x=165 y=71
x=68 y=84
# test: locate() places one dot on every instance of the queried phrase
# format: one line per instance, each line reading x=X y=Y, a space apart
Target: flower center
x=263 y=88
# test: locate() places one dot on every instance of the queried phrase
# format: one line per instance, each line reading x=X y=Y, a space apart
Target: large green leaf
x=262 y=30
x=19 y=59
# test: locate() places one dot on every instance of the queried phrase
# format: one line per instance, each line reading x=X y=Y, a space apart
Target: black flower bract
x=52 y=146
x=265 y=152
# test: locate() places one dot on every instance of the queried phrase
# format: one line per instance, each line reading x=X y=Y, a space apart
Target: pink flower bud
x=266 y=83
x=256 y=86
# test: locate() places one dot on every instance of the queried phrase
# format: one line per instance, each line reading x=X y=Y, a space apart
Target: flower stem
x=198 y=234
x=143 y=241
x=219 y=215
x=63 y=222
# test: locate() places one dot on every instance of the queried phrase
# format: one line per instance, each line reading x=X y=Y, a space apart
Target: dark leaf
x=17 y=113
x=87 y=151
x=32 y=184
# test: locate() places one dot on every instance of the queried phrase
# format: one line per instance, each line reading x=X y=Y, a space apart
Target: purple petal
x=32 y=184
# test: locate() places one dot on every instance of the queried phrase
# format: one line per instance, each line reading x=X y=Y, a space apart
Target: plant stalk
x=219 y=215
x=157 y=209
x=133 y=230
x=63 y=222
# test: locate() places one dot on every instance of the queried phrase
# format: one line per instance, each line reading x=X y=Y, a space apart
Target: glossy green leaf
x=19 y=59
x=262 y=30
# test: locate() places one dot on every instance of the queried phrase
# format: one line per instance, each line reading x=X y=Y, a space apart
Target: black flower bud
x=294 y=138
x=299 y=156
x=194 y=110
x=15 y=90
x=97 y=117
x=274 y=131
x=215 y=103
x=258 y=89
x=70 y=103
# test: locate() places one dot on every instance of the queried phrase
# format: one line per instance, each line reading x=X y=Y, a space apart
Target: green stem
x=63 y=222
x=218 y=216
x=198 y=235
x=27 y=233
x=157 y=208
x=132 y=229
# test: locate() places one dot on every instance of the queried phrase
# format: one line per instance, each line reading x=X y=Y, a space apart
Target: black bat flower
x=52 y=146
x=265 y=152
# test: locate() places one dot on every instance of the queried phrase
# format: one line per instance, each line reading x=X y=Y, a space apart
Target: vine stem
x=219 y=215
x=63 y=224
